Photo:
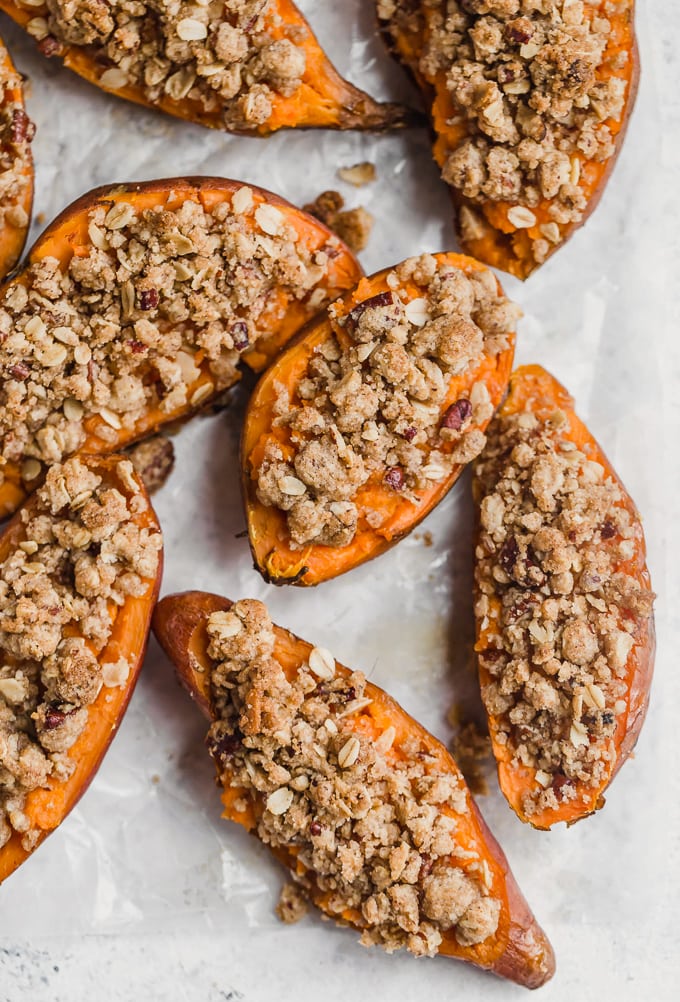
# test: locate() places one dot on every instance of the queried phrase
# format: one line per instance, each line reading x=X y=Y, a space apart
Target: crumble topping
x=558 y=551
x=369 y=407
x=16 y=134
x=232 y=57
x=374 y=827
x=116 y=332
x=526 y=78
x=353 y=226
x=81 y=551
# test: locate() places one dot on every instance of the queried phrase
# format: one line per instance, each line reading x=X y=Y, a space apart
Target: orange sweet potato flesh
x=519 y=950
x=13 y=237
x=323 y=100
x=47 y=807
x=499 y=243
x=68 y=236
x=534 y=389
x=274 y=558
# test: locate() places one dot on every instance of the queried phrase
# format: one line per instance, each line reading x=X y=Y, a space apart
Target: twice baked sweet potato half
x=365 y=422
x=245 y=66
x=565 y=635
x=529 y=101
x=16 y=164
x=80 y=568
x=136 y=306
x=365 y=808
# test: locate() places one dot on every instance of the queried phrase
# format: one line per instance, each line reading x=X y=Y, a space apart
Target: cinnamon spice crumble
x=526 y=80
x=81 y=551
x=226 y=56
x=115 y=332
x=370 y=403
x=374 y=831
x=558 y=602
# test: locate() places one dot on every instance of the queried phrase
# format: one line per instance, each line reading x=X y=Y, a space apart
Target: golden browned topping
x=16 y=134
x=524 y=76
x=115 y=332
x=370 y=404
x=353 y=226
x=222 y=54
x=559 y=600
x=373 y=826
x=82 y=551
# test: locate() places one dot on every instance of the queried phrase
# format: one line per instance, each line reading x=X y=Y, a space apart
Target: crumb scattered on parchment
x=154 y=460
x=471 y=748
x=292 y=904
x=358 y=174
x=425 y=536
x=351 y=225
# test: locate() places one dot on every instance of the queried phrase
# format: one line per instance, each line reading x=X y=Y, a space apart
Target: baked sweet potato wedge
x=80 y=566
x=365 y=422
x=529 y=102
x=365 y=808
x=245 y=66
x=16 y=164
x=565 y=634
x=135 y=307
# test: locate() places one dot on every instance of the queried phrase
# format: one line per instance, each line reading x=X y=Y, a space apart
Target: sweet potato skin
x=68 y=234
x=275 y=561
x=526 y=956
x=324 y=99
x=13 y=238
x=129 y=638
x=507 y=251
x=531 y=386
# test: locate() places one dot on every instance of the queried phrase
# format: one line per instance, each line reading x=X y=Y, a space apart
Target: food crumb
x=292 y=904
x=154 y=460
x=359 y=174
x=471 y=749
x=354 y=226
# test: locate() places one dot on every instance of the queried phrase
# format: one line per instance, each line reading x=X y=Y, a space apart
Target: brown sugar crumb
x=16 y=134
x=353 y=226
x=369 y=406
x=373 y=832
x=526 y=80
x=82 y=551
x=293 y=905
x=114 y=333
x=154 y=460
x=557 y=605
x=221 y=57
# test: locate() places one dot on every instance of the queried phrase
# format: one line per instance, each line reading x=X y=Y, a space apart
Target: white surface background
x=144 y=893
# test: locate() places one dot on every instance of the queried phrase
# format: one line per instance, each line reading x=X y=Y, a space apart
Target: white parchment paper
x=144 y=892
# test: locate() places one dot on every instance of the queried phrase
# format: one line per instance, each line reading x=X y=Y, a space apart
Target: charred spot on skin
x=457 y=414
